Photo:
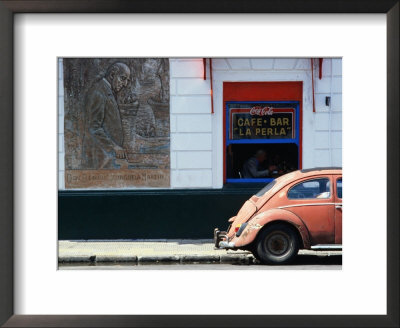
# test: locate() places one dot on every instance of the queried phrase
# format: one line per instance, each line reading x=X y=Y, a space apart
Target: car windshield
x=266 y=188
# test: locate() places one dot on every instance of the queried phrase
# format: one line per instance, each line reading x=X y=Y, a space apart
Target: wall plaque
x=116 y=122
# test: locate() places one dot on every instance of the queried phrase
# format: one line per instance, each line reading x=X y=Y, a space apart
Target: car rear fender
x=255 y=224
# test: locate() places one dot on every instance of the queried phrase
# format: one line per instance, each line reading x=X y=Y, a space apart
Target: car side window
x=315 y=188
x=339 y=187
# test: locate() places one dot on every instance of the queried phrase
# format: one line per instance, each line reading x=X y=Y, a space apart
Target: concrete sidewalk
x=156 y=251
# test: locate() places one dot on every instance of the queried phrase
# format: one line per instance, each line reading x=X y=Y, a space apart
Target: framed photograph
x=91 y=43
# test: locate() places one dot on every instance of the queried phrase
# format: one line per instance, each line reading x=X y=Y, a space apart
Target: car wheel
x=277 y=244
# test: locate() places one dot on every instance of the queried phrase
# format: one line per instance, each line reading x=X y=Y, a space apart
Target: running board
x=326 y=247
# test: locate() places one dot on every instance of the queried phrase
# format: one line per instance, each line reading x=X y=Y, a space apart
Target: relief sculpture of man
x=103 y=138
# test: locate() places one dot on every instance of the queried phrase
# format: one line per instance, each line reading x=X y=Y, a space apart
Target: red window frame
x=263 y=91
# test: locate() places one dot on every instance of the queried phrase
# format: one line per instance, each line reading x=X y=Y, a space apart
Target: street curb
x=236 y=259
x=116 y=259
x=200 y=259
x=80 y=258
x=184 y=259
x=158 y=259
x=227 y=258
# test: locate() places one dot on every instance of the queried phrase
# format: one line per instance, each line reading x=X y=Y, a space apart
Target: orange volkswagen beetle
x=298 y=210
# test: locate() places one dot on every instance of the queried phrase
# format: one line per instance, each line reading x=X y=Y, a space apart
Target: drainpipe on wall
x=312 y=78
x=330 y=116
x=211 y=85
x=204 y=69
x=211 y=80
x=320 y=68
x=312 y=82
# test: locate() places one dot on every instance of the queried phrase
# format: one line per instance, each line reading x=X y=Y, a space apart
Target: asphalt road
x=304 y=262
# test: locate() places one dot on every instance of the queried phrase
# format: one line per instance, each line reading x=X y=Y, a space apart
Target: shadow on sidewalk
x=315 y=260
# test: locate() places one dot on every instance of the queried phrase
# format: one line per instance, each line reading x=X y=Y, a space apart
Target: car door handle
x=338 y=207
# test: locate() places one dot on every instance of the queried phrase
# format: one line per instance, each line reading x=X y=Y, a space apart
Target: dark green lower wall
x=148 y=214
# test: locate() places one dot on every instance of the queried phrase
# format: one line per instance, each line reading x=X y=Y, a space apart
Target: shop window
x=262 y=140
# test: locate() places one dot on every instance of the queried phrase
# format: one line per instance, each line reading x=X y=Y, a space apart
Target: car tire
x=277 y=244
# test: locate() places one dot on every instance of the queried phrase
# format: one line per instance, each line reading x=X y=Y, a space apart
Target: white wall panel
x=337 y=66
x=337 y=157
x=337 y=85
x=190 y=104
x=321 y=140
x=323 y=85
x=326 y=67
x=303 y=64
x=194 y=160
x=191 y=179
x=321 y=121
x=262 y=63
x=172 y=87
x=336 y=139
x=186 y=68
x=239 y=63
x=173 y=160
x=61 y=182
x=219 y=63
x=194 y=123
x=61 y=165
x=336 y=102
x=322 y=158
x=172 y=122
x=336 y=123
x=193 y=86
x=191 y=141
x=320 y=104
x=285 y=63
x=61 y=143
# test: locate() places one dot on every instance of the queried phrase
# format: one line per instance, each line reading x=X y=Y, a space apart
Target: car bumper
x=221 y=240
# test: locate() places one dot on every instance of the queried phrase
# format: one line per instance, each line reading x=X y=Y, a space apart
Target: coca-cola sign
x=261 y=111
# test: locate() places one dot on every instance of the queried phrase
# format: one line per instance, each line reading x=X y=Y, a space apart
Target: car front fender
x=255 y=224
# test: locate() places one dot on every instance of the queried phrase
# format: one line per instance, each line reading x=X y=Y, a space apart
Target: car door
x=338 y=209
x=312 y=200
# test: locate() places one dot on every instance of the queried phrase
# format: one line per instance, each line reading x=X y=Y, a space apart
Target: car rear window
x=266 y=188
x=314 y=188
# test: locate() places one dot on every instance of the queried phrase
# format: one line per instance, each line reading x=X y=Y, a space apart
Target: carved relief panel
x=116 y=122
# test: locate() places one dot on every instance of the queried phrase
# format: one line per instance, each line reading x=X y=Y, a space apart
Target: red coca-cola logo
x=261 y=111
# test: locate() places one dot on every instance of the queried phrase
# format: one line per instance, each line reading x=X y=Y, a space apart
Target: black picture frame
x=10 y=7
